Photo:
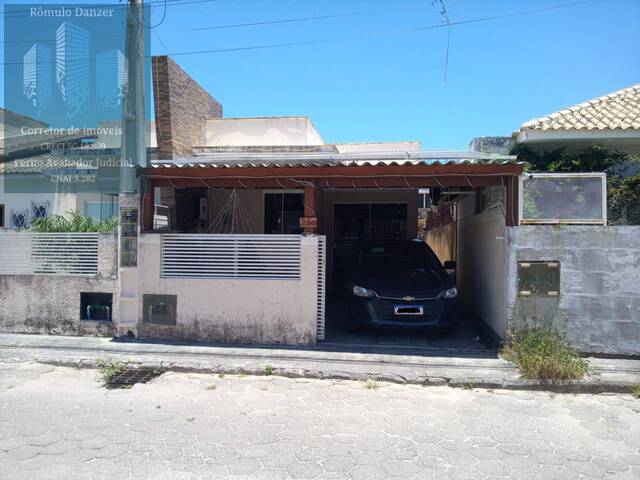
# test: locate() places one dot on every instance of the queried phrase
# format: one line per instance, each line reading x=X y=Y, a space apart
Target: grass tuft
x=371 y=384
x=636 y=391
x=268 y=370
x=541 y=353
x=110 y=369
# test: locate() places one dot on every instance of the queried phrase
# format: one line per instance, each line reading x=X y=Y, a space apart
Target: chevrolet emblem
x=408 y=298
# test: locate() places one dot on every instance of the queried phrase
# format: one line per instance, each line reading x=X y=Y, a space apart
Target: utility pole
x=134 y=137
x=133 y=156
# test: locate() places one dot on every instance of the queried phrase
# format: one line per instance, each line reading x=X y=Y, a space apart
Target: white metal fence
x=322 y=286
x=230 y=256
x=23 y=253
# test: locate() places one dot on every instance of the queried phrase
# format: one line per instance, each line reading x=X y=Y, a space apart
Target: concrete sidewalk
x=424 y=367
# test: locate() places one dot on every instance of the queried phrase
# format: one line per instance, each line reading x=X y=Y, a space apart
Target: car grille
x=383 y=308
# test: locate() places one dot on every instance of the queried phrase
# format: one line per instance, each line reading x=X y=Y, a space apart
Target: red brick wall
x=182 y=108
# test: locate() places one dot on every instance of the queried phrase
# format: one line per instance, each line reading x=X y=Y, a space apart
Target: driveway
x=467 y=338
x=59 y=422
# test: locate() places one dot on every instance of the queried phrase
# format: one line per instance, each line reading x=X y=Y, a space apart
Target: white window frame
x=556 y=221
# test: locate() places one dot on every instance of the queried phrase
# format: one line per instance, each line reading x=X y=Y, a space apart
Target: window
x=39 y=210
x=370 y=221
x=569 y=198
x=101 y=210
x=282 y=212
x=18 y=219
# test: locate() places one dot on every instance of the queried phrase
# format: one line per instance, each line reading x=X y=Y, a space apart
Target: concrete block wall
x=599 y=302
x=182 y=108
x=263 y=311
x=50 y=304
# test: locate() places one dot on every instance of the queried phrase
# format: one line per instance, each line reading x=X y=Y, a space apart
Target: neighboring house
x=612 y=120
x=26 y=190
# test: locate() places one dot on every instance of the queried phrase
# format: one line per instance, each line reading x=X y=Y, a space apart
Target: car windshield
x=400 y=255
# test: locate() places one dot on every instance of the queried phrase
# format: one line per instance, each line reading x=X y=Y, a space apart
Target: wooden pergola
x=314 y=178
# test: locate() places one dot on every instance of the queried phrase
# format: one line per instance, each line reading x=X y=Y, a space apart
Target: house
x=612 y=120
x=244 y=224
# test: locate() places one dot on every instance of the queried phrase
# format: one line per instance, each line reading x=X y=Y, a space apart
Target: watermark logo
x=65 y=82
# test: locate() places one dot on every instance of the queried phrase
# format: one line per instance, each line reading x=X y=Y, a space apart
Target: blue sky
x=358 y=85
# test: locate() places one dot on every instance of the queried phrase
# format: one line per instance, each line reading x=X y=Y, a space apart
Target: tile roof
x=619 y=110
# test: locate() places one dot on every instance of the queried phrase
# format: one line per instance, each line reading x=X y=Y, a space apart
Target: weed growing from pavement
x=541 y=353
x=110 y=369
x=211 y=386
x=371 y=384
x=268 y=370
x=221 y=375
x=636 y=391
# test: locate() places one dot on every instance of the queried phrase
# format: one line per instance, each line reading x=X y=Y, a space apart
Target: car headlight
x=451 y=293
x=363 y=292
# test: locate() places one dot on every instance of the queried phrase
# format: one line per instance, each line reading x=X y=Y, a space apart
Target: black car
x=400 y=284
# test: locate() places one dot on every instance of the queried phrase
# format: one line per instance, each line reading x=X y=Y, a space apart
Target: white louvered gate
x=322 y=285
x=230 y=256
x=24 y=253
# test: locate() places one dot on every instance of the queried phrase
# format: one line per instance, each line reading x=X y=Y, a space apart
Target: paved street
x=60 y=423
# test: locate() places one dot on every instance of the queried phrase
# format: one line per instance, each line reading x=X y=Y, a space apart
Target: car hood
x=413 y=282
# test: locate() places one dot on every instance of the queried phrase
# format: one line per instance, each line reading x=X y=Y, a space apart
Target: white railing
x=25 y=253
x=322 y=287
x=230 y=256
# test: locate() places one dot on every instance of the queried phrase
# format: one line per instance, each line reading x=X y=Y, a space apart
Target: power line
x=445 y=15
x=287 y=20
x=238 y=25
x=369 y=34
x=384 y=33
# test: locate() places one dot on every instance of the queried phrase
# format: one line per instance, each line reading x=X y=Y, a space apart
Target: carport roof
x=332 y=159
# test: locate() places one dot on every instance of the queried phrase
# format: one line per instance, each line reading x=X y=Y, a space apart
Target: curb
x=575 y=387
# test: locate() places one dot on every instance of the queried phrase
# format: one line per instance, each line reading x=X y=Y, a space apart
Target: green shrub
x=73 y=223
x=542 y=353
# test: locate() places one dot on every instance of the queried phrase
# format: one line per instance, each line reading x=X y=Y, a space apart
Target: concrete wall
x=599 y=301
x=51 y=303
x=261 y=311
x=481 y=267
x=261 y=131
